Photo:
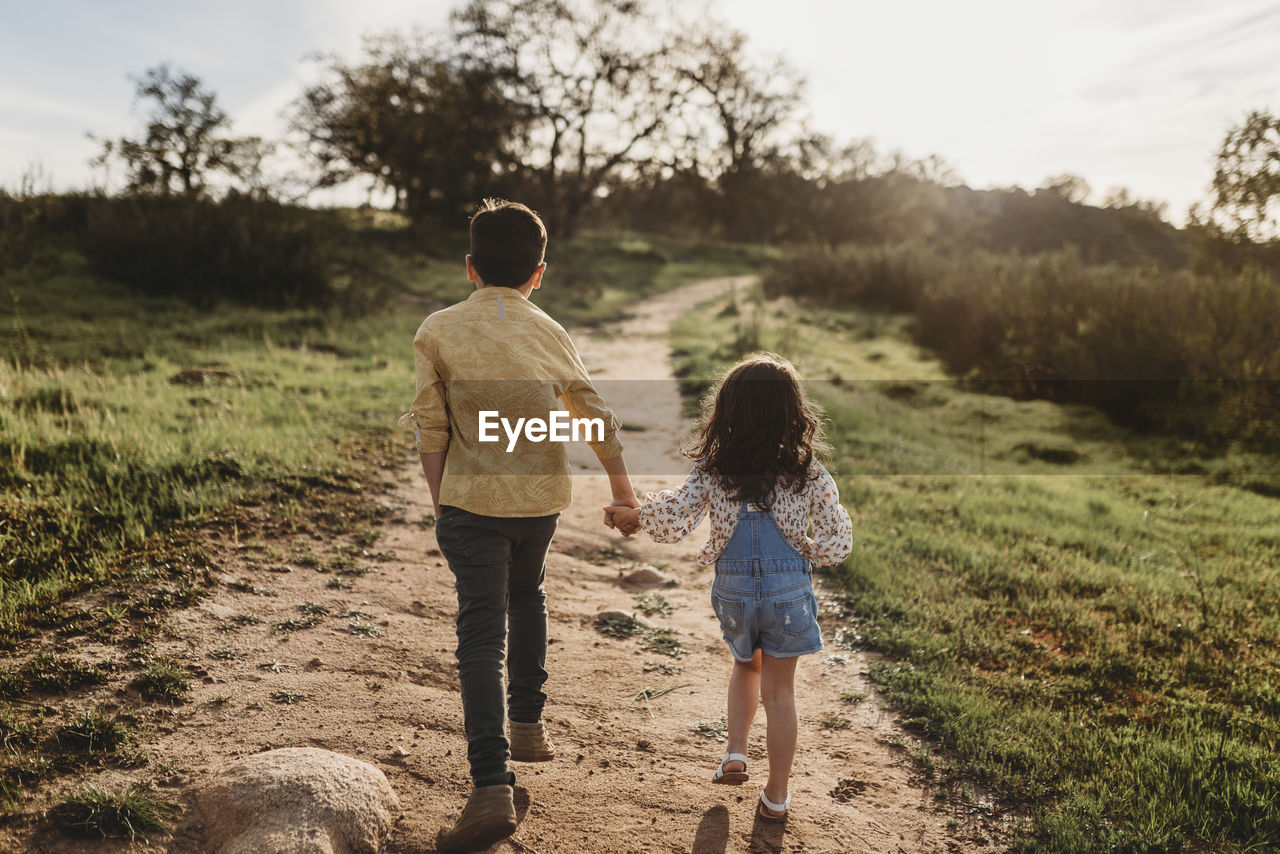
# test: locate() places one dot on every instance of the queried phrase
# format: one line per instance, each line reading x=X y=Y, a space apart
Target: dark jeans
x=499 y=566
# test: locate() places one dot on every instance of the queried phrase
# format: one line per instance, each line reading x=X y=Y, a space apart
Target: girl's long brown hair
x=758 y=430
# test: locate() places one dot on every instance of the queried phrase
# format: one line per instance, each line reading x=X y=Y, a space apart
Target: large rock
x=298 y=800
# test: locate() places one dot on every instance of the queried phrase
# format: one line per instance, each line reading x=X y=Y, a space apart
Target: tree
x=1073 y=188
x=755 y=113
x=750 y=103
x=598 y=80
x=438 y=132
x=1246 y=180
x=185 y=140
x=1119 y=198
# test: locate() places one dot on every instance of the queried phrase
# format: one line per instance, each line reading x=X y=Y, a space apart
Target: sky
x=1136 y=93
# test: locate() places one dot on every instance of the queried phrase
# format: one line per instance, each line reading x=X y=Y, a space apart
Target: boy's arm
x=433 y=468
x=428 y=416
x=623 y=494
x=620 y=482
x=583 y=401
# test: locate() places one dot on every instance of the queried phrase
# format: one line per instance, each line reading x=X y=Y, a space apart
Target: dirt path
x=631 y=776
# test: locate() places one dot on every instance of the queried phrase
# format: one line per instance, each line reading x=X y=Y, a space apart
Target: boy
x=497 y=499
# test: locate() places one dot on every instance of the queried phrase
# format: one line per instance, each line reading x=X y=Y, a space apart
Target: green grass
x=663 y=642
x=718 y=730
x=49 y=672
x=294 y=624
x=363 y=629
x=95 y=733
x=288 y=697
x=163 y=681
x=121 y=813
x=1080 y=627
x=651 y=604
x=618 y=627
x=33 y=748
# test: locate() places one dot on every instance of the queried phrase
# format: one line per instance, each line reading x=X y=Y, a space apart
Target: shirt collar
x=493 y=292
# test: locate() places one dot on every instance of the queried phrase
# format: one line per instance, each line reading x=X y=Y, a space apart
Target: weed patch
x=717 y=730
x=663 y=642
x=95 y=734
x=162 y=681
x=653 y=604
x=128 y=813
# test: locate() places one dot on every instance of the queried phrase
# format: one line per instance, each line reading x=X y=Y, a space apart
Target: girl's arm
x=832 y=528
x=668 y=516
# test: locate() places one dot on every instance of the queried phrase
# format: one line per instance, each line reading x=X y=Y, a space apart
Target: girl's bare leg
x=777 y=690
x=744 y=697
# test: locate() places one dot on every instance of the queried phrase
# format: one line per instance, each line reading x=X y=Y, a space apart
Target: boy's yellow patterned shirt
x=498 y=351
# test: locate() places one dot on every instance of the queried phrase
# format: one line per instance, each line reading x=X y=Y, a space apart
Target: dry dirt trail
x=631 y=776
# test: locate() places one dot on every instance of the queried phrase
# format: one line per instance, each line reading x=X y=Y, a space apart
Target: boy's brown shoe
x=529 y=743
x=490 y=815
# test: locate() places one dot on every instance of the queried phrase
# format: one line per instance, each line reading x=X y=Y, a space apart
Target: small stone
x=645 y=576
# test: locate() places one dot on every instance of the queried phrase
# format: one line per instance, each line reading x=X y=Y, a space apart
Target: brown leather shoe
x=490 y=815
x=529 y=743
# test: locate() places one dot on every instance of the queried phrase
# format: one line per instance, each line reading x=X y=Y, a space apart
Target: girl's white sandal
x=766 y=804
x=731 y=777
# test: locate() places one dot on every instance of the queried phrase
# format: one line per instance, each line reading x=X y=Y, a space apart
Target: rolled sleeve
x=428 y=417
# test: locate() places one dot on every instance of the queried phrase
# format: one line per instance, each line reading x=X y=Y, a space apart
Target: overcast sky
x=1127 y=92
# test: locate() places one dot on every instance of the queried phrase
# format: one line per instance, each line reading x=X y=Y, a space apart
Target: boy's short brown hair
x=507 y=242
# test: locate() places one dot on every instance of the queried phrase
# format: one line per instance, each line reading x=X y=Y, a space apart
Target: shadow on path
x=767 y=836
x=713 y=831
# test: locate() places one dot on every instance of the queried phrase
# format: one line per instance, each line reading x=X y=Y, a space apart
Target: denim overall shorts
x=763 y=592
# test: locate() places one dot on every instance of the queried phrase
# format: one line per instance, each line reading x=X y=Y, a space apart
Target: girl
x=754 y=469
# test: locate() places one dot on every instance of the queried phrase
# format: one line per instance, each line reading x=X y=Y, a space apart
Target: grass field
x=1090 y=636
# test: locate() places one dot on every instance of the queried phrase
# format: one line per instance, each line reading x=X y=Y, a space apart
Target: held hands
x=623 y=515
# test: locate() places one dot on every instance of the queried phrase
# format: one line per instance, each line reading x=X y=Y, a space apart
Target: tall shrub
x=1174 y=350
x=239 y=250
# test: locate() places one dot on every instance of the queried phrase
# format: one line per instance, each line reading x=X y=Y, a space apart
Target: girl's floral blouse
x=668 y=516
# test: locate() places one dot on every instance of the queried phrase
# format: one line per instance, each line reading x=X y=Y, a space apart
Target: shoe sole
x=480 y=840
x=533 y=757
x=732 y=778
